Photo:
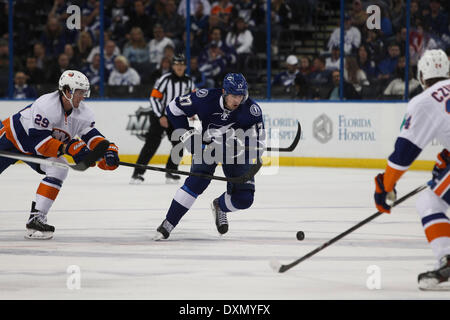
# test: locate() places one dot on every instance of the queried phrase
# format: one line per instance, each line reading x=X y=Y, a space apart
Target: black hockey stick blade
x=241 y=179
x=93 y=156
x=293 y=144
x=278 y=267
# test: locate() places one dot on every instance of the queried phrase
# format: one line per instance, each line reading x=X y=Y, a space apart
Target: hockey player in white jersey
x=49 y=127
x=427 y=118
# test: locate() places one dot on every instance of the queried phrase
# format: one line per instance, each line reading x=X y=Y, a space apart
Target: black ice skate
x=137 y=179
x=163 y=231
x=436 y=280
x=220 y=217
x=172 y=178
x=37 y=227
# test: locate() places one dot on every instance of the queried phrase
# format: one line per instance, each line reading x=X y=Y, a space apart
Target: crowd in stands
x=375 y=59
x=141 y=37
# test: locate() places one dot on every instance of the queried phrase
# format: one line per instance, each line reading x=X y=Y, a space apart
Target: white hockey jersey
x=41 y=127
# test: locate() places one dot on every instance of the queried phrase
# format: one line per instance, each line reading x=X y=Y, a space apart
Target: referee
x=169 y=86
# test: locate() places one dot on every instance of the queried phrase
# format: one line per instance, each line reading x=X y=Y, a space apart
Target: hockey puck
x=300 y=235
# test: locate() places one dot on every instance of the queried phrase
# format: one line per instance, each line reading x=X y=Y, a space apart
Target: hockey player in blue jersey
x=223 y=114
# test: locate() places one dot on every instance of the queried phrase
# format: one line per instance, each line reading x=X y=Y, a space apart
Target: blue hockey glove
x=110 y=160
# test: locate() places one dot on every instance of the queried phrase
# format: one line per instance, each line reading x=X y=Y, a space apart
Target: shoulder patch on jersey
x=255 y=110
x=201 y=93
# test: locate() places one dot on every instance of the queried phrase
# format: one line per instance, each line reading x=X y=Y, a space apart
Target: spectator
x=366 y=63
x=386 y=67
x=21 y=89
x=213 y=65
x=53 y=38
x=437 y=19
x=374 y=45
x=56 y=70
x=251 y=12
x=59 y=11
x=333 y=62
x=354 y=75
x=397 y=86
x=199 y=23
x=400 y=38
x=320 y=77
x=228 y=53
x=33 y=71
x=123 y=74
x=222 y=9
x=157 y=44
x=194 y=7
x=119 y=14
x=420 y=40
x=386 y=30
x=110 y=51
x=136 y=49
x=195 y=46
x=169 y=52
x=305 y=66
x=352 y=37
x=286 y=79
x=358 y=15
x=74 y=61
x=281 y=17
x=41 y=58
x=415 y=13
x=398 y=13
x=83 y=47
x=139 y=17
x=197 y=76
x=241 y=39
x=164 y=67
x=349 y=92
x=92 y=72
x=172 y=23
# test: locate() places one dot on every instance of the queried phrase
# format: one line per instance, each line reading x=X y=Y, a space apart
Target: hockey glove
x=110 y=160
x=381 y=196
x=77 y=149
x=441 y=163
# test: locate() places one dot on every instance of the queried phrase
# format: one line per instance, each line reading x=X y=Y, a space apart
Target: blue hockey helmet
x=235 y=83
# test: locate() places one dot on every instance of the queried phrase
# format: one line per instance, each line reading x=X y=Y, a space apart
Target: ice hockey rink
x=102 y=247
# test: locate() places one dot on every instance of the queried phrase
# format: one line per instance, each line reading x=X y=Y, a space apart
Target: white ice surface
x=104 y=226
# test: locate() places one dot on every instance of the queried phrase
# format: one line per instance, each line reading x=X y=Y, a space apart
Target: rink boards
x=350 y=134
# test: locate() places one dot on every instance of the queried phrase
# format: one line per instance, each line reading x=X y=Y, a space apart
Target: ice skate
x=436 y=280
x=163 y=231
x=37 y=228
x=172 y=178
x=137 y=179
x=220 y=217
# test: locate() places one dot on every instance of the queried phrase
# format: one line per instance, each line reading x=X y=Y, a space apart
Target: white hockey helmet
x=75 y=80
x=433 y=64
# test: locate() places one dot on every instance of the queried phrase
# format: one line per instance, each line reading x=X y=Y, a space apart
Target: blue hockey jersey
x=208 y=105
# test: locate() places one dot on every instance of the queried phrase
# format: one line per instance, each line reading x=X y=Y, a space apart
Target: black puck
x=300 y=235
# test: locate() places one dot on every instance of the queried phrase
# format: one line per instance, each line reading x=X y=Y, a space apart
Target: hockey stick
x=278 y=267
x=293 y=144
x=90 y=158
x=241 y=179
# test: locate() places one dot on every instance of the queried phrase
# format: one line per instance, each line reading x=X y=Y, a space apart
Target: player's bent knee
x=57 y=172
x=428 y=202
x=242 y=200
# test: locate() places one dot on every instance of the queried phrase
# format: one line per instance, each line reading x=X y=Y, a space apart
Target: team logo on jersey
x=201 y=93
x=139 y=123
x=70 y=74
x=61 y=135
x=255 y=110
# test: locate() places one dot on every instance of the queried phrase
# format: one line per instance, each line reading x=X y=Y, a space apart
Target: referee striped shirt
x=168 y=87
